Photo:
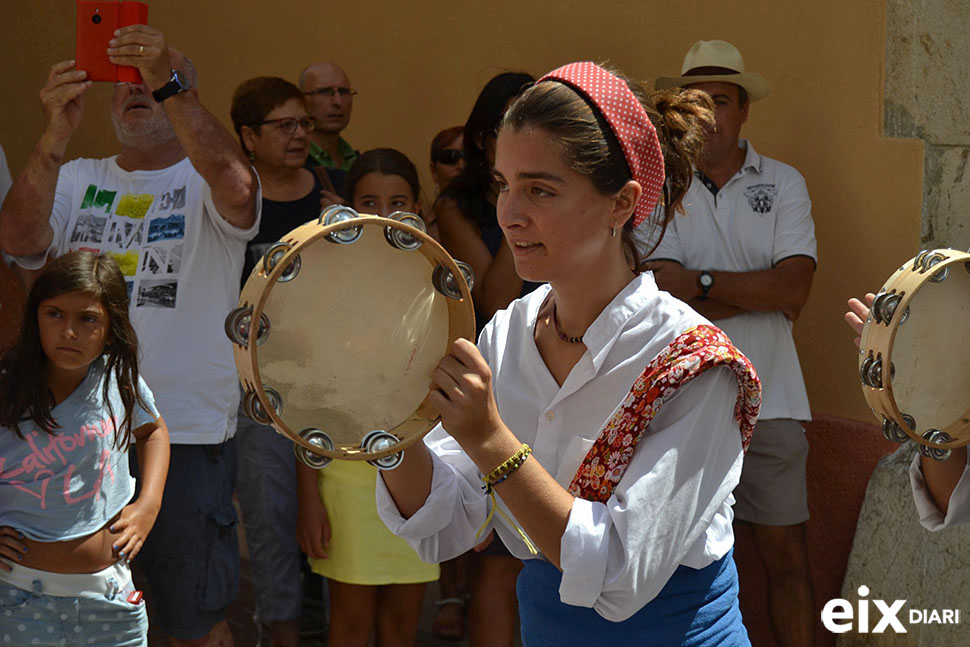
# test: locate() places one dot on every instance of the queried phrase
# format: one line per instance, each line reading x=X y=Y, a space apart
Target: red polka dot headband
x=630 y=125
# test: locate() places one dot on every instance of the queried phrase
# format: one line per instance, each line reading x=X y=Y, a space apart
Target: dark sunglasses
x=288 y=124
x=449 y=156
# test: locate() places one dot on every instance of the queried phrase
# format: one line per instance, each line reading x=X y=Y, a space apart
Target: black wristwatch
x=706 y=281
x=175 y=85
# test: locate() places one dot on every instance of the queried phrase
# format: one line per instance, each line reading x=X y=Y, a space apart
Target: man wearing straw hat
x=743 y=255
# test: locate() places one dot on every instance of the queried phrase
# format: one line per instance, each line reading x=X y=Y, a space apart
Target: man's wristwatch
x=705 y=280
x=175 y=85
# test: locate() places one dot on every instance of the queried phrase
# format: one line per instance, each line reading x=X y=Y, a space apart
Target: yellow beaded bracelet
x=495 y=477
x=503 y=471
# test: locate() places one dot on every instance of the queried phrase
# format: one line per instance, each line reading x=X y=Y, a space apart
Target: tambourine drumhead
x=923 y=372
x=349 y=342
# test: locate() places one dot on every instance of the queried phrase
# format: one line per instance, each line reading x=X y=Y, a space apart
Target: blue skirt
x=696 y=608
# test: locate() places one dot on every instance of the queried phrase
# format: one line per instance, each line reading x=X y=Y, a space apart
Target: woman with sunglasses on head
x=270 y=117
x=447 y=163
x=607 y=417
x=447 y=157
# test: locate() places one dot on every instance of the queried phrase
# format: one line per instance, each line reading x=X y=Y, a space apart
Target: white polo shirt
x=761 y=216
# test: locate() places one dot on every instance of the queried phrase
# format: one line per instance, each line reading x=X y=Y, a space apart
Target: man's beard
x=145 y=132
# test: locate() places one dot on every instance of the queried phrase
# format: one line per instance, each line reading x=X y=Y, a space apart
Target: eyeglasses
x=288 y=124
x=449 y=156
x=332 y=90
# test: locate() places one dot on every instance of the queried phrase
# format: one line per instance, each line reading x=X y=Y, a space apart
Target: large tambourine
x=914 y=352
x=354 y=312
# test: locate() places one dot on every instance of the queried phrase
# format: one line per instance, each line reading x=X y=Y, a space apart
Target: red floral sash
x=685 y=358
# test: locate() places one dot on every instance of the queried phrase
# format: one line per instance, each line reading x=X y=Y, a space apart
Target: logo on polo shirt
x=761 y=197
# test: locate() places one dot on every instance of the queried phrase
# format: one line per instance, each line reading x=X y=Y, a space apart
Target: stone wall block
x=898 y=560
x=946 y=221
x=927 y=76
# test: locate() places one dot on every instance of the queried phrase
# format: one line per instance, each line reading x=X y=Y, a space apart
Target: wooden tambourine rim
x=255 y=293
x=879 y=339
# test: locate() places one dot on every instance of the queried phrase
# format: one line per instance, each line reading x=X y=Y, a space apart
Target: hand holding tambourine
x=354 y=312
x=914 y=348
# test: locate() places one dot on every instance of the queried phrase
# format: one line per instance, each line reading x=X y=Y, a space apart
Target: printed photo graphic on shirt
x=98 y=200
x=134 y=206
x=89 y=229
x=118 y=231
x=144 y=232
x=761 y=197
x=157 y=293
x=172 y=200
x=160 y=259
x=171 y=228
x=127 y=262
x=49 y=471
x=124 y=234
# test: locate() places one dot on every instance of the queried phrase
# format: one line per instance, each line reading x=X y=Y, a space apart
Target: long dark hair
x=470 y=189
x=680 y=117
x=24 y=394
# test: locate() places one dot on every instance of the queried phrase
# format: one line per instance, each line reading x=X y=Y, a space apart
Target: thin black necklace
x=562 y=335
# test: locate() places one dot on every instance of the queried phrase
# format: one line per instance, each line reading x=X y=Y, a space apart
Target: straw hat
x=716 y=60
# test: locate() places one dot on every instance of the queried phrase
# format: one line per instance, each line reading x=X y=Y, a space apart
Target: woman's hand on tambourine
x=462 y=394
x=858 y=313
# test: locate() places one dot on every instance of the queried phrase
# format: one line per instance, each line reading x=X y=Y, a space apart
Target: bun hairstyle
x=680 y=117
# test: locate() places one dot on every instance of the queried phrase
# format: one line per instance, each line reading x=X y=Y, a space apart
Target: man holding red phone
x=175 y=207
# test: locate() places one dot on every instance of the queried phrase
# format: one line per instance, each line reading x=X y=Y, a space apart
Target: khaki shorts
x=772 y=488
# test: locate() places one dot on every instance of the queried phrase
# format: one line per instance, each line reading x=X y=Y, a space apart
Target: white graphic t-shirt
x=182 y=262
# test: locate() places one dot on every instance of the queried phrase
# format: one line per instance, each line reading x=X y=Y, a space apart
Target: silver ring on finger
x=141 y=49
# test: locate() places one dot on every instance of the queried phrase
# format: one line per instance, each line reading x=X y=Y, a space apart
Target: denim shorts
x=70 y=610
x=191 y=557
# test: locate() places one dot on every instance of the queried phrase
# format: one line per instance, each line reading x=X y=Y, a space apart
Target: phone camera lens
x=96 y=19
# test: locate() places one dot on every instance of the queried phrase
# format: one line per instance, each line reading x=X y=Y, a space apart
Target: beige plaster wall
x=419 y=65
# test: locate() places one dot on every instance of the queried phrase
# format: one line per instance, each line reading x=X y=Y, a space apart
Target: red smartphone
x=97 y=21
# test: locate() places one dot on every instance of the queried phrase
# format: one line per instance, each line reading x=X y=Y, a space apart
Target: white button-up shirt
x=673 y=505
